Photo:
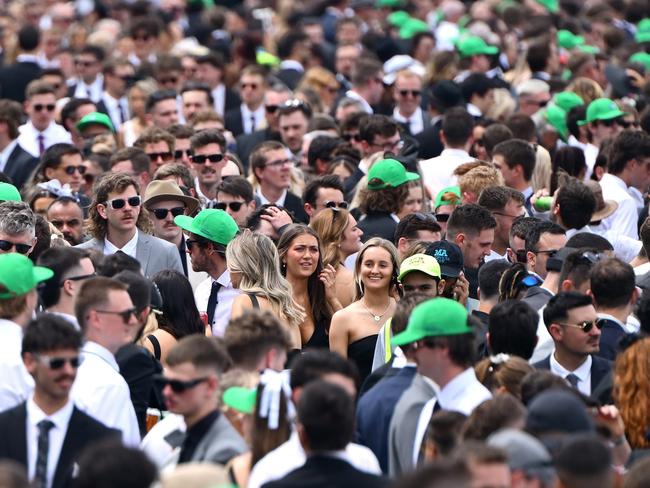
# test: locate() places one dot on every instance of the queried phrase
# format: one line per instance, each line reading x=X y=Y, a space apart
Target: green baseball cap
x=569 y=40
x=95 y=118
x=9 y=192
x=556 y=117
x=641 y=58
x=19 y=275
x=601 y=109
x=450 y=189
x=412 y=27
x=398 y=18
x=241 y=399
x=643 y=31
x=214 y=225
x=474 y=45
x=567 y=100
x=419 y=262
x=389 y=3
x=552 y=6
x=390 y=173
x=434 y=318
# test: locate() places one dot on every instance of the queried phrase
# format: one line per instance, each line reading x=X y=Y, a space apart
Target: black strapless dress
x=362 y=352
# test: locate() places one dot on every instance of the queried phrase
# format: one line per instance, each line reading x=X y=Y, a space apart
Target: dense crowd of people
x=334 y=243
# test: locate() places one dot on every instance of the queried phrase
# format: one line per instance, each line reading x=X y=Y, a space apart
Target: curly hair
x=387 y=200
x=330 y=224
x=632 y=391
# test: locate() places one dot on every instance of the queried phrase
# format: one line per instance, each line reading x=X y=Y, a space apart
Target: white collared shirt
x=219 y=97
x=247 y=115
x=205 y=201
x=415 y=121
x=364 y=104
x=70 y=318
x=129 y=248
x=583 y=373
x=292 y=64
x=473 y=110
x=438 y=172
x=60 y=419
x=93 y=91
x=113 y=107
x=102 y=392
x=225 y=297
x=280 y=201
x=16 y=384
x=495 y=256
x=5 y=153
x=290 y=455
x=625 y=247
x=53 y=134
x=624 y=220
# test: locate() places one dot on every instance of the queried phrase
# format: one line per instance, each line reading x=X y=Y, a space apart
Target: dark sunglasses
x=253 y=86
x=165 y=156
x=20 y=248
x=58 y=363
x=161 y=213
x=178 y=153
x=78 y=278
x=343 y=205
x=85 y=64
x=234 y=206
x=125 y=314
x=178 y=386
x=413 y=93
x=202 y=158
x=586 y=325
x=69 y=170
x=191 y=242
x=351 y=137
x=144 y=37
x=39 y=107
x=610 y=122
x=626 y=125
x=271 y=108
x=442 y=217
x=118 y=203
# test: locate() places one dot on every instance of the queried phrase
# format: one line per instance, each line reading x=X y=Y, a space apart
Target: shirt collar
x=204 y=200
x=612 y=318
x=128 y=248
x=280 y=201
x=60 y=418
x=615 y=180
x=292 y=64
x=456 y=387
x=100 y=351
x=224 y=279
x=401 y=118
x=582 y=371
x=473 y=110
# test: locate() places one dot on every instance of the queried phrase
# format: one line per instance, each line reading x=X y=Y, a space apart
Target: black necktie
x=42 y=450
x=573 y=380
x=213 y=300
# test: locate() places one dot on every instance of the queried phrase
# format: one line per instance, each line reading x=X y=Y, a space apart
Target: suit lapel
x=18 y=434
x=72 y=444
x=143 y=251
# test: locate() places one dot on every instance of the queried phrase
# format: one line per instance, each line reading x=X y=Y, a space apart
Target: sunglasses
x=413 y=93
x=279 y=162
x=178 y=386
x=125 y=314
x=252 y=86
x=20 y=248
x=39 y=107
x=58 y=363
x=234 y=206
x=271 y=108
x=610 y=122
x=161 y=213
x=118 y=203
x=626 y=125
x=69 y=170
x=343 y=205
x=78 y=278
x=191 y=242
x=178 y=153
x=442 y=217
x=202 y=158
x=587 y=325
x=164 y=156
x=351 y=137
x=85 y=64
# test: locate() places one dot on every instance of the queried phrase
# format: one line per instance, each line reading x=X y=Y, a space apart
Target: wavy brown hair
x=386 y=200
x=632 y=391
x=330 y=224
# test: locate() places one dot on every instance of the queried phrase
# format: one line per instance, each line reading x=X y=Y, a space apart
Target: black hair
x=411 y=224
x=475 y=84
x=69 y=110
x=462 y=347
x=513 y=329
x=542 y=227
x=628 y=145
x=577 y=203
x=51 y=158
x=376 y=125
x=612 y=283
x=569 y=160
x=120 y=261
x=139 y=288
x=494 y=134
x=287 y=42
x=28 y=38
x=50 y=332
x=495 y=198
x=489 y=276
x=522 y=225
x=584 y=460
x=576 y=268
x=255 y=218
x=95 y=51
x=310 y=194
x=322 y=147
x=591 y=241
x=537 y=55
x=202 y=87
x=237 y=186
x=157 y=97
x=316 y=363
x=522 y=127
x=559 y=306
x=517 y=152
x=180 y=316
x=457 y=126
x=469 y=219
x=60 y=260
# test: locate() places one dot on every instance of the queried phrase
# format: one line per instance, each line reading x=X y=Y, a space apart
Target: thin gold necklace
x=376 y=317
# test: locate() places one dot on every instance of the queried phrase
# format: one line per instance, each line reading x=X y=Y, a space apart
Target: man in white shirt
x=40 y=131
x=250 y=115
x=628 y=167
x=515 y=159
x=107 y=317
x=601 y=119
x=209 y=234
x=90 y=82
x=208 y=160
x=456 y=136
x=506 y=204
x=47 y=433
x=18 y=300
x=117 y=74
x=407 y=93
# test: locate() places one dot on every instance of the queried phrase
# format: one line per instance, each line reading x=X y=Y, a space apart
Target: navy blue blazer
x=600 y=368
x=610 y=335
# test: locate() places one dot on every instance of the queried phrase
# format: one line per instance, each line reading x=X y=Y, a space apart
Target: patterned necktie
x=573 y=380
x=41 y=143
x=122 y=112
x=42 y=450
x=213 y=300
x=252 y=123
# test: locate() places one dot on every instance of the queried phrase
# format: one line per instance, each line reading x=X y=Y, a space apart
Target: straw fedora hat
x=604 y=208
x=161 y=190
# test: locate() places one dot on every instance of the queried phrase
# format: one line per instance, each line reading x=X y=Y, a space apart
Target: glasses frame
x=131 y=201
x=586 y=325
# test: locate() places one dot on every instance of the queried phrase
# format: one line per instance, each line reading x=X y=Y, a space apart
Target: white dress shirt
x=102 y=392
x=438 y=172
x=225 y=297
x=625 y=247
x=583 y=373
x=16 y=384
x=129 y=248
x=205 y=201
x=155 y=444
x=545 y=344
x=5 y=153
x=364 y=104
x=70 y=318
x=60 y=419
x=624 y=220
x=219 y=97
x=113 y=108
x=290 y=455
x=94 y=91
x=415 y=121
x=495 y=256
x=54 y=134
x=247 y=117
x=279 y=201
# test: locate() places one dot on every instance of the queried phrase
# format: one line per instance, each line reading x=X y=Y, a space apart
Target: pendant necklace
x=376 y=317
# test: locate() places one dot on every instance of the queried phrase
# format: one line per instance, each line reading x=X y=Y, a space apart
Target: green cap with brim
x=211 y=224
x=643 y=31
x=398 y=18
x=18 y=275
x=567 y=100
x=389 y=173
x=95 y=118
x=641 y=58
x=552 y=6
x=9 y=192
x=437 y=317
x=241 y=399
x=601 y=109
x=556 y=117
x=412 y=27
x=569 y=40
x=473 y=46
x=419 y=262
x=450 y=189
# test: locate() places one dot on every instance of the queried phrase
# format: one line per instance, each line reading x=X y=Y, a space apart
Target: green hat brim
x=408 y=176
x=612 y=114
x=39 y=274
x=186 y=222
x=642 y=37
x=241 y=399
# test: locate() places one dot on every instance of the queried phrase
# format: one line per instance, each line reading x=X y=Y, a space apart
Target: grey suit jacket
x=404 y=424
x=153 y=253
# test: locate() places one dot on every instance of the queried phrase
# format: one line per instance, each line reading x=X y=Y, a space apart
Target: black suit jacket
x=289 y=77
x=232 y=100
x=83 y=431
x=429 y=140
x=15 y=77
x=247 y=142
x=537 y=297
x=600 y=368
x=327 y=472
x=20 y=166
x=610 y=335
x=233 y=121
x=294 y=204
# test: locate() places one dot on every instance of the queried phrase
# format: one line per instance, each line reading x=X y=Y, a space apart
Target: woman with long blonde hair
x=254 y=267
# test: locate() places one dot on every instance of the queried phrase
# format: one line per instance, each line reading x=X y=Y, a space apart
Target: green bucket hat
x=434 y=318
x=450 y=189
x=390 y=173
x=556 y=117
x=9 y=192
x=419 y=262
x=601 y=109
x=398 y=18
x=95 y=118
x=569 y=40
x=214 y=225
x=412 y=27
x=567 y=100
x=474 y=45
x=241 y=399
x=552 y=6
x=19 y=275
x=641 y=58
x=643 y=31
